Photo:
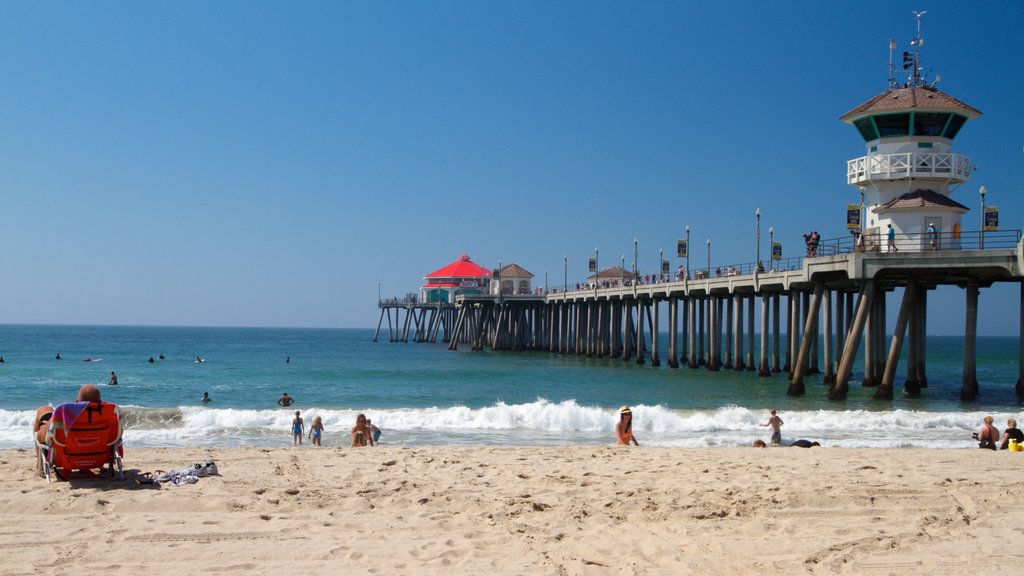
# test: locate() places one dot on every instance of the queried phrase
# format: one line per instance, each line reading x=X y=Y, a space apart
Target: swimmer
x=298 y=429
x=316 y=430
x=151 y=360
x=775 y=422
x=162 y=357
x=624 y=428
x=206 y=398
x=58 y=356
x=113 y=379
x=285 y=400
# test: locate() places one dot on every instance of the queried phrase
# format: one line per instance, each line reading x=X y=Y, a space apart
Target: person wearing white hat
x=624 y=428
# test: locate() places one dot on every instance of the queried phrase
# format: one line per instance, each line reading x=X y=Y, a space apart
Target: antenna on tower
x=917 y=42
x=892 y=68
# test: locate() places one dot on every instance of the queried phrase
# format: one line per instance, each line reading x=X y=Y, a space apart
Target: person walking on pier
x=624 y=428
x=932 y=236
x=775 y=423
x=890 y=235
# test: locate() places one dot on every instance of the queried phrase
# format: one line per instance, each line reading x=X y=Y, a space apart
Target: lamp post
x=597 y=268
x=545 y=282
x=757 y=252
x=499 y=280
x=709 y=257
x=622 y=271
x=635 y=263
x=565 y=287
x=771 y=244
x=982 y=191
x=687 y=251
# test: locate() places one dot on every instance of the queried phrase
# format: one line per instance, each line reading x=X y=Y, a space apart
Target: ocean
x=424 y=394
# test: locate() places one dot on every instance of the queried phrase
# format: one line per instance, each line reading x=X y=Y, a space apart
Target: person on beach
x=988 y=435
x=316 y=429
x=87 y=393
x=113 y=379
x=285 y=400
x=374 y=431
x=298 y=429
x=624 y=428
x=361 y=433
x=206 y=398
x=775 y=423
x=803 y=444
x=759 y=443
x=1011 y=433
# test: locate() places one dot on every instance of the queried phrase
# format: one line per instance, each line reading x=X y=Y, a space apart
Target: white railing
x=908 y=165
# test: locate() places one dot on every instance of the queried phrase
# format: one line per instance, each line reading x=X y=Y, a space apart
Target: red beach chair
x=83 y=436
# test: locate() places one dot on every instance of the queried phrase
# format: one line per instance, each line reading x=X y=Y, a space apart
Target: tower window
x=955 y=123
x=867 y=129
x=893 y=125
x=929 y=123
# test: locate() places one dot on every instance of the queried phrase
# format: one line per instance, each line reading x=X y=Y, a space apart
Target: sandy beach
x=508 y=510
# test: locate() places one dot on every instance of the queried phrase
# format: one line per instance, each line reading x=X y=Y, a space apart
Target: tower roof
x=923 y=199
x=515 y=271
x=921 y=98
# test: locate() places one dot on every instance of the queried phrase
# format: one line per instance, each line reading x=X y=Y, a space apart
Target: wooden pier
x=833 y=302
x=423 y=321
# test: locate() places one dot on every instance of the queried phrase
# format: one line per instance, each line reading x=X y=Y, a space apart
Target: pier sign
x=991 y=218
x=853 y=216
x=664 y=267
x=592 y=265
x=681 y=248
x=776 y=250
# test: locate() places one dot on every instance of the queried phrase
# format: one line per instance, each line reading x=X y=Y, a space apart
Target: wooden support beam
x=841 y=386
x=800 y=366
x=884 y=391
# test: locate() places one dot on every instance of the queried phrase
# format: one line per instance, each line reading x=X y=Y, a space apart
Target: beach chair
x=83 y=436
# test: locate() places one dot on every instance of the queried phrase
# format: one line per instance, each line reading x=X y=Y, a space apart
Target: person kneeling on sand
x=87 y=393
x=624 y=428
x=1011 y=433
x=361 y=433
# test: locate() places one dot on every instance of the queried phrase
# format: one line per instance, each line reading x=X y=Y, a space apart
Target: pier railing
x=918 y=242
x=906 y=165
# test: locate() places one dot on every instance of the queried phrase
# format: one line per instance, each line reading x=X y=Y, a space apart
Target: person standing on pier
x=932 y=236
x=624 y=429
x=890 y=236
x=775 y=423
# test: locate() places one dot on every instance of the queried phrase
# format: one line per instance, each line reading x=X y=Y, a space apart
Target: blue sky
x=267 y=164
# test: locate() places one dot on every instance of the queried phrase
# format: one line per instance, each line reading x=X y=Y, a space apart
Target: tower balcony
x=953 y=168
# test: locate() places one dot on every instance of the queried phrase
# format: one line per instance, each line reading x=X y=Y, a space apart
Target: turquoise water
x=426 y=394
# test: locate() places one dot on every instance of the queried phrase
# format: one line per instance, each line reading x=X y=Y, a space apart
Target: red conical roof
x=461 y=268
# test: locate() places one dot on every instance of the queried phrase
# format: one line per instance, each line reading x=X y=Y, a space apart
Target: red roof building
x=460 y=277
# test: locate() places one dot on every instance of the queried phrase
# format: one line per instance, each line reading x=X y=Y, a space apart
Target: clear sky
x=267 y=164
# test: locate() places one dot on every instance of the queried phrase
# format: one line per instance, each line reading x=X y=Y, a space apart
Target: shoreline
x=512 y=510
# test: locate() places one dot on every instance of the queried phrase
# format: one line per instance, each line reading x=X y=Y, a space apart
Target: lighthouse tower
x=910 y=169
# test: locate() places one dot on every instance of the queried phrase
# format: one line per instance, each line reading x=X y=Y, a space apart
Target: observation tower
x=910 y=170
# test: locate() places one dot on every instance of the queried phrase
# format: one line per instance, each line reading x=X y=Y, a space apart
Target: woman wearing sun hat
x=624 y=428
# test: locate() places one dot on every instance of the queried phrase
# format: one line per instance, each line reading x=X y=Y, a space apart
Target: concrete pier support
x=737 y=344
x=730 y=334
x=701 y=359
x=652 y=315
x=827 y=337
x=750 y=333
x=627 y=329
x=792 y=332
x=869 y=345
x=969 y=388
x=884 y=391
x=801 y=365
x=812 y=367
x=691 y=357
x=763 y=368
x=640 y=343
x=1020 y=352
x=840 y=322
x=713 y=362
x=673 y=329
x=776 y=324
x=841 y=386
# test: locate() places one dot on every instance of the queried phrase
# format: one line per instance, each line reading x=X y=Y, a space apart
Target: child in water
x=361 y=434
x=315 y=430
x=298 y=429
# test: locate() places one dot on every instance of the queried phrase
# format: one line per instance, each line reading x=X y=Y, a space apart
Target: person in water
x=316 y=430
x=803 y=444
x=162 y=357
x=1011 y=433
x=624 y=428
x=113 y=379
x=285 y=400
x=87 y=393
x=988 y=435
x=151 y=360
x=361 y=433
x=58 y=356
x=776 y=423
x=298 y=429
x=206 y=398
x=374 y=431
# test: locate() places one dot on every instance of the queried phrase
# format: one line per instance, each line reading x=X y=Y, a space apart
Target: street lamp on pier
x=622 y=271
x=757 y=258
x=982 y=191
x=687 y=251
x=565 y=272
x=709 y=257
x=635 y=255
x=597 y=268
x=661 y=263
x=771 y=244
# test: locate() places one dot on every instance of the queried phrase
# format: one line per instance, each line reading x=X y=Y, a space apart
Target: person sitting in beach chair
x=84 y=435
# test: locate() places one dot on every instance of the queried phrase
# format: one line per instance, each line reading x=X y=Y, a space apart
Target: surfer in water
x=113 y=379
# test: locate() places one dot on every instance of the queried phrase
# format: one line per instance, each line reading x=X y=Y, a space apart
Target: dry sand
x=525 y=510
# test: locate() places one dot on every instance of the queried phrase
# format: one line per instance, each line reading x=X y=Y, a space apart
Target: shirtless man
x=776 y=423
x=87 y=393
x=988 y=436
x=285 y=400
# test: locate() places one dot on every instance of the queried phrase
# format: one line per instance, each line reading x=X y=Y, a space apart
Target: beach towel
x=64 y=417
x=190 y=475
